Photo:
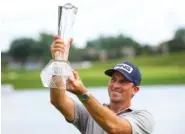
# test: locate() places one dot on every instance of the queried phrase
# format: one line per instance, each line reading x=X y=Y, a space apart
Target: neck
x=117 y=107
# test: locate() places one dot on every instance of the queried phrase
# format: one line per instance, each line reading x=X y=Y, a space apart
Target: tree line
x=101 y=48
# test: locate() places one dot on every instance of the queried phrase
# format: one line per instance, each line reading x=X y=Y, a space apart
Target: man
x=91 y=117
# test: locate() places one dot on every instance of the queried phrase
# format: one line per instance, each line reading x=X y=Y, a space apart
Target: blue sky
x=146 y=21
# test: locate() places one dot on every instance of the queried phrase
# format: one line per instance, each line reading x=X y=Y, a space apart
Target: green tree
x=178 y=42
x=42 y=48
x=76 y=54
x=176 y=45
x=20 y=49
x=180 y=34
x=113 y=45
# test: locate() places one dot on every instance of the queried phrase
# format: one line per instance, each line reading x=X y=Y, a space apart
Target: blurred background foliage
x=163 y=63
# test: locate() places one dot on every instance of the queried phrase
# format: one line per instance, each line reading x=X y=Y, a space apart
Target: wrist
x=84 y=97
x=82 y=91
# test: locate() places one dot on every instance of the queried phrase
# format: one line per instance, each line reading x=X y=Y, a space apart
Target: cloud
x=147 y=21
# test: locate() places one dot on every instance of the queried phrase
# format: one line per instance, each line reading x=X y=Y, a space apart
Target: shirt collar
x=129 y=109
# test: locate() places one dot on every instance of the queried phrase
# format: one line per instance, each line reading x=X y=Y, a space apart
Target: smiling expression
x=120 y=89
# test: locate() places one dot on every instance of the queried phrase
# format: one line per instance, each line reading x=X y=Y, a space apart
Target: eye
x=124 y=82
x=113 y=79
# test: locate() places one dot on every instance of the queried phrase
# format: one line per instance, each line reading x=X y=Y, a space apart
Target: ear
x=135 y=89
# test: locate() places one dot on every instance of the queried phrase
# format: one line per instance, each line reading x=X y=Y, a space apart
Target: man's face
x=119 y=88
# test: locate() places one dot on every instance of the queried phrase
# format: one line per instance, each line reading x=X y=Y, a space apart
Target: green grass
x=155 y=70
x=151 y=75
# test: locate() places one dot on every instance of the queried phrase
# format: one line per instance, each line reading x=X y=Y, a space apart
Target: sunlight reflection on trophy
x=59 y=68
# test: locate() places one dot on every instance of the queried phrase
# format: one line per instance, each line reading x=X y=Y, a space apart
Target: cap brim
x=109 y=72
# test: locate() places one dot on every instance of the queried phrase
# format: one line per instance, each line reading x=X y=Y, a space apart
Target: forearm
x=62 y=102
x=107 y=119
x=58 y=95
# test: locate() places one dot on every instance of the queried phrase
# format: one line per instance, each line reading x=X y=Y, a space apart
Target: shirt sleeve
x=81 y=117
x=142 y=122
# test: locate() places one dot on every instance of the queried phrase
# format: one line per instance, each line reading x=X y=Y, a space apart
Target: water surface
x=30 y=111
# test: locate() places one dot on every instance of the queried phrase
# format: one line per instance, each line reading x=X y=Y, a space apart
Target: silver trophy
x=59 y=69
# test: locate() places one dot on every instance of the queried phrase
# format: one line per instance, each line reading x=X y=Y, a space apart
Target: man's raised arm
x=58 y=96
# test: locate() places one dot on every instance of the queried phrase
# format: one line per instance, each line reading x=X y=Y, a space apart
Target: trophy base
x=55 y=74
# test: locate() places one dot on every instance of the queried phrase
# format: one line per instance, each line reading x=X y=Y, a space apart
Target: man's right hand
x=58 y=45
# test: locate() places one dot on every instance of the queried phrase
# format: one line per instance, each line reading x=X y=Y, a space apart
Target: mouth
x=115 y=93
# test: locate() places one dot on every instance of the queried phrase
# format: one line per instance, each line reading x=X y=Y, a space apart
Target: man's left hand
x=75 y=85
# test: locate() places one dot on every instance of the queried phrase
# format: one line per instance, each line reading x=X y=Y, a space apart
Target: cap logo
x=125 y=67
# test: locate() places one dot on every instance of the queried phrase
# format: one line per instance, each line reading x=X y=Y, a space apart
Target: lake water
x=30 y=111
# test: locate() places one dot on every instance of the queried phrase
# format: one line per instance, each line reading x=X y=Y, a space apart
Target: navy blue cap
x=129 y=70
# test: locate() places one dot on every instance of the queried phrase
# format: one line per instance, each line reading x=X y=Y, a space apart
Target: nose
x=115 y=85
